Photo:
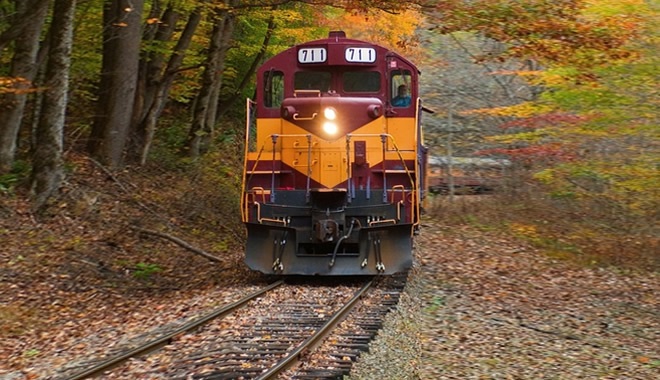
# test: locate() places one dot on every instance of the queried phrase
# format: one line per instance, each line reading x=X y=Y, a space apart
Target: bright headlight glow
x=330 y=113
x=330 y=128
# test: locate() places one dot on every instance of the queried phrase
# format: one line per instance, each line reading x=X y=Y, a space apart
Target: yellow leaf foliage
x=631 y=186
x=521 y=110
x=608 y=8
x=535 y=136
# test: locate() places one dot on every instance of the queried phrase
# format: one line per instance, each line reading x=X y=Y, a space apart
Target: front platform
x=382 y=249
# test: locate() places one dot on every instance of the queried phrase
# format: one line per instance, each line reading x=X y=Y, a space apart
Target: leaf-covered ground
x=80 y=277
x=479 y=305
x=484 y=306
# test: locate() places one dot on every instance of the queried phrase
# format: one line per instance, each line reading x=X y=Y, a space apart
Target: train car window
x=273 y=88
x=361 y=81
x=312 y=80
x=401 y=81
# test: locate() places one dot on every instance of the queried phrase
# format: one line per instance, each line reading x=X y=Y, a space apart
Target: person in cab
x=402 y=98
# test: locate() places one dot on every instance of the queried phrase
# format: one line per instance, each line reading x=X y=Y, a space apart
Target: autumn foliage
x=586 y=148
x=551 y=31
x=582 y=139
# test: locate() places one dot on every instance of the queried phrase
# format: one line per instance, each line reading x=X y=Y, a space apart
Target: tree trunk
x=156 y=62
x=150 y=72
x=47 y=166
x=22 y=20
x=119 y=72
x=201 y=130
x=158 y=89
x=23 y=69
x=226 y=104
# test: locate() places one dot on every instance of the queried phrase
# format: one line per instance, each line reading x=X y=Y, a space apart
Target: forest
x=122 y=123
x=564 y=90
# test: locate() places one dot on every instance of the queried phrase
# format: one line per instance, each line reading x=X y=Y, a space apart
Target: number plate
x=312 y=55
x=362 y=55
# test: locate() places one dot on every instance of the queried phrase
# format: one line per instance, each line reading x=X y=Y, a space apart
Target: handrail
x=297 y=117
x=272 y=178
x=383 y=221
x=259 y=190
x=306 y=92
x=261 y=220
x=309 y=169
x=273 y=138
x=414 y=187
x=247 y=180
x=400 y=188
x=248 y=123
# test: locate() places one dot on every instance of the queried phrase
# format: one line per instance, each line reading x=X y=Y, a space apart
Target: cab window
x=273 y=89
x=400 y=85
x=361 y=81
x=312 y=80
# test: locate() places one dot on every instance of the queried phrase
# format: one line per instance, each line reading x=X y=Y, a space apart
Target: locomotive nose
x=331 y=116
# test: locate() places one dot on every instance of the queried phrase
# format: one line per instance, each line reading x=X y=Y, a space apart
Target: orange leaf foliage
x=393 y=30
x=551 y=31
x=15 y=85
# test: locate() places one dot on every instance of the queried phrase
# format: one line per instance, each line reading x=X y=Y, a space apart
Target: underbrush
x=87 y=255
x=587 y=232
x=90 y=234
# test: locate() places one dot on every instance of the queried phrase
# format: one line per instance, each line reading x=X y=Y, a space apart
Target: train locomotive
x=334 y=170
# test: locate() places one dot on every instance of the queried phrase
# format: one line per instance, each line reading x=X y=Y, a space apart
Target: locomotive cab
x=334 y=164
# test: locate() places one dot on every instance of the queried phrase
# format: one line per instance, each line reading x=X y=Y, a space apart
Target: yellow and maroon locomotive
x=334 y=163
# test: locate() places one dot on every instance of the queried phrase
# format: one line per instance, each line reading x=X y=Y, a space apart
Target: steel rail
x=166 y=339
x=316 y=338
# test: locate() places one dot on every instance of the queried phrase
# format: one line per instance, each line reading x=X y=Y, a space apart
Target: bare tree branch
x=180 y=243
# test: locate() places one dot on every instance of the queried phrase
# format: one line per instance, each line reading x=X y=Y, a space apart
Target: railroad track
x=280 y=333
x=334 y=358
x=167 y=338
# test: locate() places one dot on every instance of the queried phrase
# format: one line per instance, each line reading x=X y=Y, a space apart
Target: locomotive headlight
x=330 y=113
x=330 y=128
